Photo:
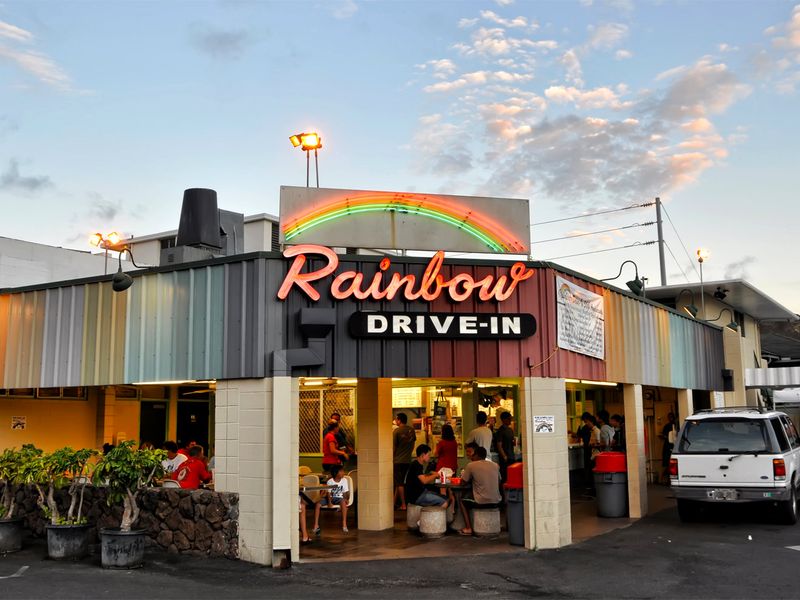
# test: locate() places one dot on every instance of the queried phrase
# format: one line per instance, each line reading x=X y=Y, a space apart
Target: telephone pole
x=661 y=259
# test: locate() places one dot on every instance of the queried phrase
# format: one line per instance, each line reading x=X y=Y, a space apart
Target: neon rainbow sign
x=481 y=227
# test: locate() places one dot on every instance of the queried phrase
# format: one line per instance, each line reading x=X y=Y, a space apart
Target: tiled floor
x=333 y=545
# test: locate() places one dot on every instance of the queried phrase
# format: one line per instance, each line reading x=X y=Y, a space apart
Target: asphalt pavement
x=738 y=555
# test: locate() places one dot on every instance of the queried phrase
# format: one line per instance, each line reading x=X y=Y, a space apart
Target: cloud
x=37 y=64
x=703 y=89
x=441 y=68
x=493 y=42
x=504 y=2
x=12 y=181
x=219 y=43
x=9 y=31
x=465 y=23
x=572 y=65
x=488 y=15
x=607 y=36
x=623 y=54
x=739 y=268
x=697 y=125
x=602 y=97
x=476 y=78
x=344 y=9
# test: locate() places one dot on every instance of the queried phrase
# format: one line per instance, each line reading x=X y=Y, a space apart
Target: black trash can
x=514 y=510
x=611 y=483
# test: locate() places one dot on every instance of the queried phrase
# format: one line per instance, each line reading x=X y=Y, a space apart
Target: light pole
x=308 y=142
x=702 y=255
x=112 y=241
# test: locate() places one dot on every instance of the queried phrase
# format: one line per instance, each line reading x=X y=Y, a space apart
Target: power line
x=604 y=250
x=676 y=261
x=691 y=261
x=577 y=235
x=601 y=212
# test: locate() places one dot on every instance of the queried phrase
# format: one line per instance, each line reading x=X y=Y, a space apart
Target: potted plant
x=125 y=471
x=67 y=535
x=12 y=463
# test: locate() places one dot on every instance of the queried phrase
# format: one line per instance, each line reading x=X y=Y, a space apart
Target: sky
x=109 y=110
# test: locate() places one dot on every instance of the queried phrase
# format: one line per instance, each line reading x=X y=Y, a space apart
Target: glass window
x=783 y=442
x=791 y=431
x=724 y=436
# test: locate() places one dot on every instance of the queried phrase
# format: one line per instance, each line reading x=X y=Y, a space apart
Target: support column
x=375 y=479
x=636 y=450
x=734 y=360
x=284 y=448
x=244 y=445
x=547 y=512
x=685 y=405
x=106 y=415
x=172 y=418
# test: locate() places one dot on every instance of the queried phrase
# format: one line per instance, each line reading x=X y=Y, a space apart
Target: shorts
x=400 y=471
x=305 y=499
x=429 y=498
x=327 y=467
x=469 y=502
x=328 y=501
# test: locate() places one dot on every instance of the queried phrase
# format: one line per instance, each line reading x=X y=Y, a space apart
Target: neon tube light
x=482 y=228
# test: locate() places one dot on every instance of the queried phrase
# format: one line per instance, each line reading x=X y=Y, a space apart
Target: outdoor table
x=457 y=489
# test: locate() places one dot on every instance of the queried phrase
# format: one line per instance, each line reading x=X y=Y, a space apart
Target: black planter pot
x=122 y=549
x=69 y=542
x=10 y=535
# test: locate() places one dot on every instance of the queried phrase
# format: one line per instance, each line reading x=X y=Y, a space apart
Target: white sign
x=544 y=424
x=719 y=400
x=19 y=423
x=581 y=319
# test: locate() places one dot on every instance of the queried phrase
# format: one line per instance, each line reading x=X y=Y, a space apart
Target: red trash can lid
x=610 y=462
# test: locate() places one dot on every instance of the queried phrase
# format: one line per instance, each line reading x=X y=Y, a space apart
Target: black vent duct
x=199 y=225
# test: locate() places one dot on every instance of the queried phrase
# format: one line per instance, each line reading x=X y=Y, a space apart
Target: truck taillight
x=673 y=468
x=779 y=469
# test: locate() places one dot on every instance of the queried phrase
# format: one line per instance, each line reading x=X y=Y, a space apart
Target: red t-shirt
x=191 y=473
x=447 y=454
x=328 y=457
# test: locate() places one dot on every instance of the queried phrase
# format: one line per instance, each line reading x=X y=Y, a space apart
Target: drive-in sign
x=482 y=326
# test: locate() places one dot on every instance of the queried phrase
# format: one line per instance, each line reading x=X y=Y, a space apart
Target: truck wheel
x=687 y=511
x=788 y=509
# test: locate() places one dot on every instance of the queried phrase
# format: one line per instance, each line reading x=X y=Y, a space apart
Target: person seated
x=417 y=479
x=485 y=493
x=192 y=472
x=338 y=495
x=174 y=459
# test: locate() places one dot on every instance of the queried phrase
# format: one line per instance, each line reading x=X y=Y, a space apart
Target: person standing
x=403 y=441
x=341 y=436
x=668 y=433
x=618 y=423
x=447 y=450
x=331 y=455
x=606 y=431
x=504 y=442
x=481 y=435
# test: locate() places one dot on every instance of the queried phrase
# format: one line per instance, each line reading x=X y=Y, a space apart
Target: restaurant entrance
x=366 y=409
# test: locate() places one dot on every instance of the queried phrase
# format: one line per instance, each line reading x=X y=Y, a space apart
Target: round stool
x=485 y=521
x=433 y=521
x=412 y=516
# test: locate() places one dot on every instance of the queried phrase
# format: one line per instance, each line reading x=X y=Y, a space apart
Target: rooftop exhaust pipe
x=205 y=231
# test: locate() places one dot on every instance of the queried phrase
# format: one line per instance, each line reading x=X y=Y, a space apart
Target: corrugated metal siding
x=225 y=321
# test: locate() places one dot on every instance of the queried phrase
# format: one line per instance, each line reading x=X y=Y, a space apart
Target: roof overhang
x=740 y=296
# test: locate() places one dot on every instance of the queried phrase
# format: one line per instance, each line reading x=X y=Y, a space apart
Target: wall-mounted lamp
x=689 y=308
x=733 y=325
x=636 y=285
x=121 y=281
x=308 y=142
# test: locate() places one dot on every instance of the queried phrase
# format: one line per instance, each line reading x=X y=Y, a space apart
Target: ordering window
x=316 y=407
x=429 y=409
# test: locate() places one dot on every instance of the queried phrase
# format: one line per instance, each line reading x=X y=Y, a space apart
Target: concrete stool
x=433 y=521
x=485 y=521
x=412 y=516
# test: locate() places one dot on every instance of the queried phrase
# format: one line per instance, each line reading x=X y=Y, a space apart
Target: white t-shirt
x=171 y=464
x=338 y=488
x=483 y=437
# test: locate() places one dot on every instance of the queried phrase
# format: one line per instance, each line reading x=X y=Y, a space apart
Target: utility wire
x=676 y=261
x=601 y=212
x=577 y=235
x=691 y=260
x=604 y=250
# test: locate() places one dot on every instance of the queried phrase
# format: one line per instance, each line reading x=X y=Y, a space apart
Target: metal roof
x=741 y=296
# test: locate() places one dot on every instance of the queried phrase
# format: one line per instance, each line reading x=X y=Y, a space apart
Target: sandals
x=465 y=532
x=306 y=542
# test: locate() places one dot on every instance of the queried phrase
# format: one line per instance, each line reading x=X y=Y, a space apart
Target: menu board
x=406 y=397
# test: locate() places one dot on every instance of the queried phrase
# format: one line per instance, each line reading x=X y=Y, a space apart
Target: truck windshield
x=724 y=436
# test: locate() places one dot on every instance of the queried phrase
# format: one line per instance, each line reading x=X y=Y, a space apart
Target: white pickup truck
x=736 y=455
